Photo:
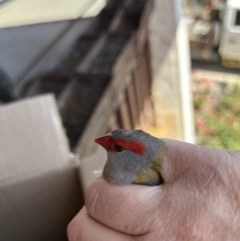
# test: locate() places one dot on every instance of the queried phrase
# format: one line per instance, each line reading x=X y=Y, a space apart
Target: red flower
x=209 y=132
x=209 y=85
x=231 y=120
x=201 y=123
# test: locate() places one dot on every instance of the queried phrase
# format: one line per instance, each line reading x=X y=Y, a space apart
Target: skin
x=199 y=200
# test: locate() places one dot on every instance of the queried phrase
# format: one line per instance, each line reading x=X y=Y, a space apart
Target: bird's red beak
x=104 y=141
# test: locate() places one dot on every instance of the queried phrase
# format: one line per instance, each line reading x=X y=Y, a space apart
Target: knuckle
x=71 y=233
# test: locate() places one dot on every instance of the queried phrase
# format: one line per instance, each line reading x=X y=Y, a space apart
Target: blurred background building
x=214 y=36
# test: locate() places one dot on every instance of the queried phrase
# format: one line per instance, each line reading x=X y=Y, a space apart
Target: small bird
x=134 y=157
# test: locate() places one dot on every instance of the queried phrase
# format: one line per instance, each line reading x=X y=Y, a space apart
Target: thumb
x=128 y=209
x=185 y=158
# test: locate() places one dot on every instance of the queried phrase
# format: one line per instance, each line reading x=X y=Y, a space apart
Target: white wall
x=172 y=72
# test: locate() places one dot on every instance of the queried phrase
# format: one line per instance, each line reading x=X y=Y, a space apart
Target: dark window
x=237 y=21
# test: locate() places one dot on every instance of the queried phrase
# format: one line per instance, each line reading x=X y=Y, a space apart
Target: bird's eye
x=118 y=148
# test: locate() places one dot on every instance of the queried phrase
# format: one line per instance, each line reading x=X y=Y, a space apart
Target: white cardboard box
x=40 y=190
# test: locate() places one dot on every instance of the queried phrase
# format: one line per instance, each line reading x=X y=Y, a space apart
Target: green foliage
x=200 y=100
x=231 y=101
x=221 y=133
x=218 y=119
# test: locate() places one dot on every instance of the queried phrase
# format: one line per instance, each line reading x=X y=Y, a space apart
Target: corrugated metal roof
x=26 y=12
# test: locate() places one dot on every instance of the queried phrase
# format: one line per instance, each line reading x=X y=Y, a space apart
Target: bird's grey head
x=129 y=153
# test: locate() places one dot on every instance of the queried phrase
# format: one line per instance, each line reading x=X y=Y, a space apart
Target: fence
x=105 y=80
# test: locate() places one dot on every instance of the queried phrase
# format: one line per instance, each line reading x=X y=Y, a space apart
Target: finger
x=181 y=157
x=132 y=209
x=85 y=228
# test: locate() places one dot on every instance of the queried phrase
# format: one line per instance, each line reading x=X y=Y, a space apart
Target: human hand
x=199 y=200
